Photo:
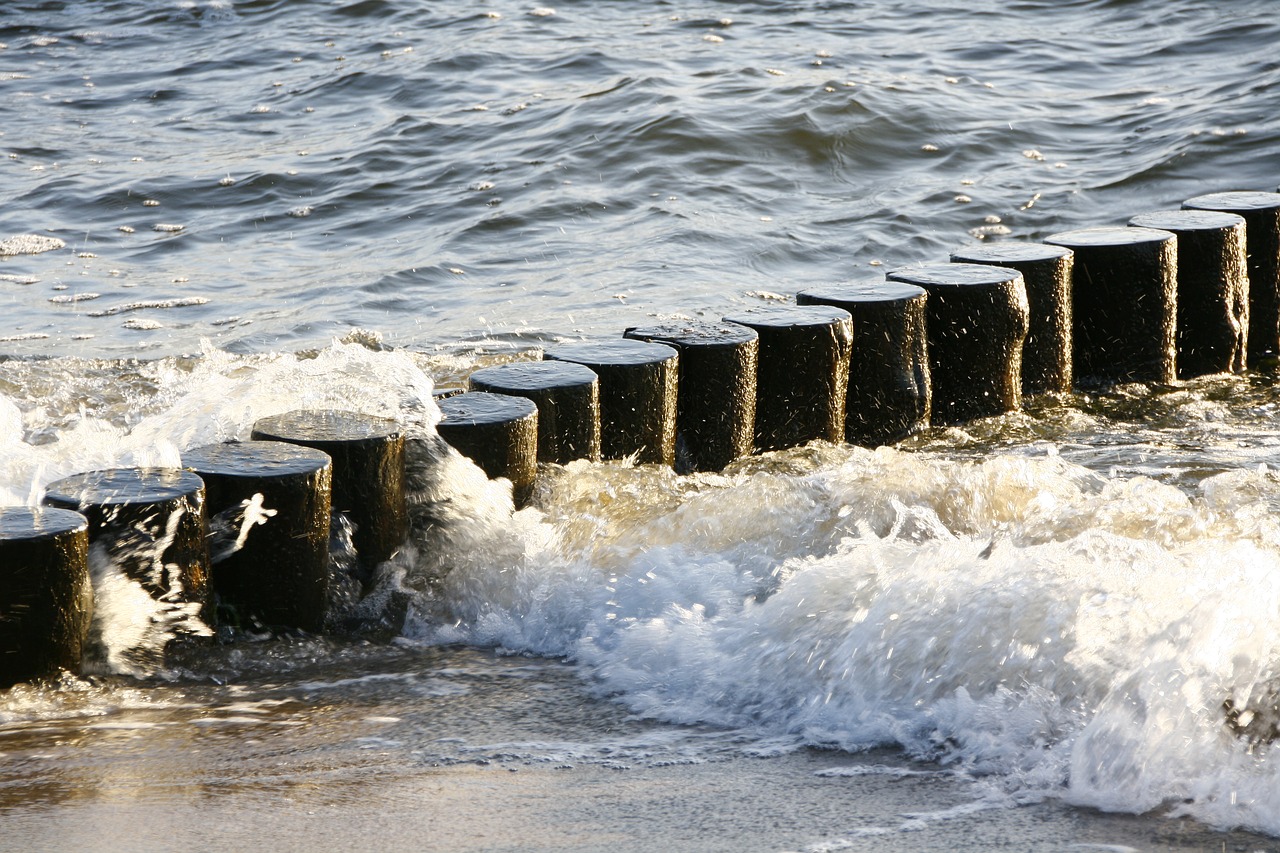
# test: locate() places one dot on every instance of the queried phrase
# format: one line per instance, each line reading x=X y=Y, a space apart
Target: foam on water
x=1050 y=630
x=1052 y=626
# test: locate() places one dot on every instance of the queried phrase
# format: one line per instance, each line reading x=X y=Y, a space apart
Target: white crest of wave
x=156 y=410
x=175 y=404
x=1056 y=632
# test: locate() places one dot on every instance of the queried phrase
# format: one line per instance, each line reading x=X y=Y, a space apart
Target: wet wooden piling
x=368 y=454
x=150 y=522
x=46 y=601
x=1261 y=213
x=1126 y=296
x=716 y=390
x=977 y=320
x=1213 y=289
x=803 y=378
x=890 y=391
x=638 y=390
x=269 y=505
x=498 y=432
x=568 y=399
x=1047 y=272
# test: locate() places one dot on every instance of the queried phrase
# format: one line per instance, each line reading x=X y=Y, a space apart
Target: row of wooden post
x=1173 y=295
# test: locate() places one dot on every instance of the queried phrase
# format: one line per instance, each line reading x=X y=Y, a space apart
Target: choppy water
x=1055 y=604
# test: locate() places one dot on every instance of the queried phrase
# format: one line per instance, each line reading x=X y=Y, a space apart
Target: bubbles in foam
x=30 y=244
x=1048 y=629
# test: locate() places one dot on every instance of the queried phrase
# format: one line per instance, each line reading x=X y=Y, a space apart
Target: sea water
x=214 y=212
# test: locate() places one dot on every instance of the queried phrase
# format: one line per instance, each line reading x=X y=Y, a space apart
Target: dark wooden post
x=568 y=399
x=1213 y=289
x=638 y=388
x=1047 y=273
x=46 y=600
x=1126 y=300
x=1261 y=214
x=274 y=499
x=977 y=322
x=368 y=471
x=803 y=373
x=151 y=522
x=498 y=432
x=890 y=392
x=716 y=390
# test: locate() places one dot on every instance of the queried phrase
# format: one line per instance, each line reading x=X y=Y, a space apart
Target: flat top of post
x=535 y=375
x=325 y=425
x=863 y=291
x=1232 y=201
x=1009 y=252
x=482 y=407
x=1111 y=235
x=255 y=459
x=1187 y=220
x=790 y=316
x=612 y=352
x=38 y=522
x=697 y=334
x=123 y=486
x=955 y=275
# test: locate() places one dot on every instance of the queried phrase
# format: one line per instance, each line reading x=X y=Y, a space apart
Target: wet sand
x=465 y=751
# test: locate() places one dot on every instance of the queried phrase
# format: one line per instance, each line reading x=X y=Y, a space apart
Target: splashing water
x=1053 y=627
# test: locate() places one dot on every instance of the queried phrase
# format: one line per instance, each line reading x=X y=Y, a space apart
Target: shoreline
x=464 y=750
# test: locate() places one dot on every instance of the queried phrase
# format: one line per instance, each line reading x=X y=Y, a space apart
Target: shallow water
x=1045 y=610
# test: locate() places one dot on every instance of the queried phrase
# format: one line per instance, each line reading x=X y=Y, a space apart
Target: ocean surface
x=1015 y=633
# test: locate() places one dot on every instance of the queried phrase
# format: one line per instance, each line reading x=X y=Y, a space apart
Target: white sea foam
x=1024 y=620
x=1046 y=629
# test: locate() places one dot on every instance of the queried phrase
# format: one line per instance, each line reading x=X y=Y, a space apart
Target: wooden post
x=151 y=521
x=803 y=373
x=977 y=322
x=1125 y=290
x=716 y=390
x=1213 y=289
x=46 y=600
x=274 y=500
x=1047 y=273
x=498 y=432
x=568 y=399
x=368 y=472
x=638 y=388
x=1261 y=214
x=890 y=392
